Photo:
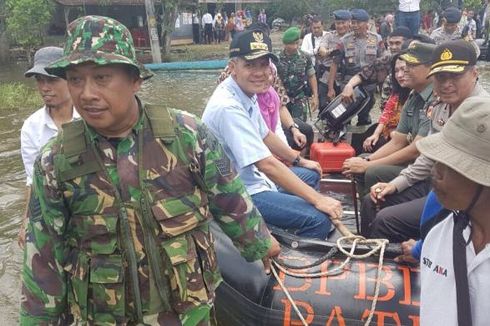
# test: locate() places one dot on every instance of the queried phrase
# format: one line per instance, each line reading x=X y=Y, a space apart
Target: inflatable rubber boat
x=250 y=297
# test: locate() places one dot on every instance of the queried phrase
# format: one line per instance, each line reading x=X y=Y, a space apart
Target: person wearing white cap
x=43 y=124
x=455 y=260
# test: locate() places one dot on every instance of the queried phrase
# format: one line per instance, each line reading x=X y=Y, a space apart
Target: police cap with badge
x=452 y=57
x=251 y=44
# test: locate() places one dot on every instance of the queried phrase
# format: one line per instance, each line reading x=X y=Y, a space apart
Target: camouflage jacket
x=294 y=71
x=118 y=235
x=439 y=35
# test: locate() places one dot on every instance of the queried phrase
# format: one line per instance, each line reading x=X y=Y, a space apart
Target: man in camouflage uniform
x=119 y=217
x=359 y=48
x=329 y=43
x=297 y=73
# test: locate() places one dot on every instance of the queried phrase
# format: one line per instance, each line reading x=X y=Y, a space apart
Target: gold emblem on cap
x=258 y=37
x=446 y=55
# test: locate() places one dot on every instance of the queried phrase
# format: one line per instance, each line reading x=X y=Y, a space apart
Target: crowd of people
x=119 y=201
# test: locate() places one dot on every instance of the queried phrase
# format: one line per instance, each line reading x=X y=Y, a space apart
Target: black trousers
x=208 y=33
x=399 y=217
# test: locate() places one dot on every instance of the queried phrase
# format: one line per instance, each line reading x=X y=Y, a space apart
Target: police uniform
x=359 y=52
x=118 y=229
x=452 y=16
x=330 y=41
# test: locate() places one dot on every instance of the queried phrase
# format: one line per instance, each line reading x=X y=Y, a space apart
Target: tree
x=170 y=11
x=27 y=22
x=4 y=41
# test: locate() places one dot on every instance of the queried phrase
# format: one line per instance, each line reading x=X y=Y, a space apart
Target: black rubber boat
x=249 y=297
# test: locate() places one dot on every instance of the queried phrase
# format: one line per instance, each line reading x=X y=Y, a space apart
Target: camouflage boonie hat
x=97 y=39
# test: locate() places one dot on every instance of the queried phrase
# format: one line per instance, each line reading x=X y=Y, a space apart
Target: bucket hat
x=97 y=39
x=464 y=142
x=42 y=58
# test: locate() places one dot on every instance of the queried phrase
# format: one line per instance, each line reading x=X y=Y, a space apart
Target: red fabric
x=389 y=109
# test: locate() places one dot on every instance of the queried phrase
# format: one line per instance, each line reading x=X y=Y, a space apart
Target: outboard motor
x=333 y=118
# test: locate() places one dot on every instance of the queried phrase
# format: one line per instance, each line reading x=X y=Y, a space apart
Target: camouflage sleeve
x=229 y=201
x=281 y=91
x=310 y=69
x=376 y=72
x=43 y=278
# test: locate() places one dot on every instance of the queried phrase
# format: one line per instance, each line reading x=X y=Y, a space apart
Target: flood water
x=183 y=90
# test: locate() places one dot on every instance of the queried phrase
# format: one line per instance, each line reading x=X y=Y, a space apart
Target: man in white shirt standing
x=43 y=124
x=455 y=260
x=408 y=14
x=311 y=41
x=207 y=24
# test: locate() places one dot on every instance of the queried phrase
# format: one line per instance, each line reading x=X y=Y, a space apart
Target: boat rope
x=376 y=245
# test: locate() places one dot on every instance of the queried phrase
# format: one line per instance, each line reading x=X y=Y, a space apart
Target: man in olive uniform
x=118 y=230
x=297 y=73
x=359 y=48
x=329 y=43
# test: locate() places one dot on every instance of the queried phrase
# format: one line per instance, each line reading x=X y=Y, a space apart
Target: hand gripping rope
x=347 y=238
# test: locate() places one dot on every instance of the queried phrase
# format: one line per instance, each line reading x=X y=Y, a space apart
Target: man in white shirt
x=408 y=14
x=455 y=260
x=43 y=124
x=284 y=196
x=207 y=24
x=311 y=41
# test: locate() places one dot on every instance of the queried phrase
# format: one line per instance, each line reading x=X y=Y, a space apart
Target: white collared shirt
x=207 y=19
x=438 y=289
x=37 y=129
x=307 y=45
x=409 y=5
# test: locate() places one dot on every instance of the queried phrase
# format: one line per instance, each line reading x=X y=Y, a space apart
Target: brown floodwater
x=182 y=90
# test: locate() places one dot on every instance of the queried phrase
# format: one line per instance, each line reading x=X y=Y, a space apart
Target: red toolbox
x=331 y=156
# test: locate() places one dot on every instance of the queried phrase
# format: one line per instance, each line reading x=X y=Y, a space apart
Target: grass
x=18 y=96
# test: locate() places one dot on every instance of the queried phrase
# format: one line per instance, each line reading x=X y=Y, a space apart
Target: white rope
x=379 y=245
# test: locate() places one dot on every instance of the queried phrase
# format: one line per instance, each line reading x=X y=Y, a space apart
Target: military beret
x=360 y=15
x=342 y=14
x=418 y=53
x=291 y=35
x=452 y=56
x=452 y=15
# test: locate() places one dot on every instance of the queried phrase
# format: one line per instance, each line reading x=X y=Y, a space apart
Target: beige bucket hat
x=464 y=142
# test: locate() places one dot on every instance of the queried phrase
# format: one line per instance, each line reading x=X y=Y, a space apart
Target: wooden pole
x=153 y=32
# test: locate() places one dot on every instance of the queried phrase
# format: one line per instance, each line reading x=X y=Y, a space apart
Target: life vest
x=178 y=244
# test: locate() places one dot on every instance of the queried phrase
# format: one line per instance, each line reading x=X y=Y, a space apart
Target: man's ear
x=232 y=66
x=137 y=85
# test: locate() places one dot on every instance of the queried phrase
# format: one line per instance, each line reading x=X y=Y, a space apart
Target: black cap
x=251 y=44
x=418 y=53
x=402 y=31
x=452 y=15
x=452 y=56
x=342 y=14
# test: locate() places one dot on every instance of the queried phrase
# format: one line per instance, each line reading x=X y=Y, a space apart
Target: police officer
x=328 y=44
x=450 y=26
x=118 y=230
x=360 y=48
x=297 y=73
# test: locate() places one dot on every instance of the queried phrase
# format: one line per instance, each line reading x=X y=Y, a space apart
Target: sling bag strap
x=461 y=270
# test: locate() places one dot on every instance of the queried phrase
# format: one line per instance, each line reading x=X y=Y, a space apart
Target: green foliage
x=27 y=20
x=473 y=4
x=18 y=96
